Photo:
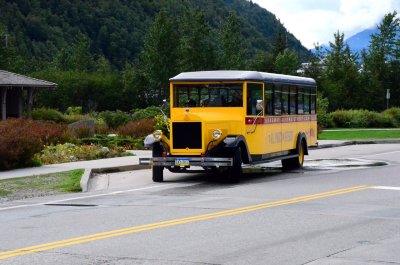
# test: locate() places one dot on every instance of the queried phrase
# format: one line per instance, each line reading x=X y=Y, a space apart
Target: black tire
x=295 y=162
x=157 y=171
x=235 y=172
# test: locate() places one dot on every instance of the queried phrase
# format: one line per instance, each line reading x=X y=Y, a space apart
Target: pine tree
x=342 y=79
x=263 y=62
x=382 y=62
x=160 y=57
x=287 y=62
x=233 y=52
x=9 y=59
x=196 y=47
x=280 y=41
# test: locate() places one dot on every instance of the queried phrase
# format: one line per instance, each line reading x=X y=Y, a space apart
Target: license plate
x=182 y=162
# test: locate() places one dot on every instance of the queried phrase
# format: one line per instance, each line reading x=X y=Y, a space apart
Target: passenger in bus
x=215 y=101
x=237 y=100
x=251 y=104
x=191 y=103
x=204 y=103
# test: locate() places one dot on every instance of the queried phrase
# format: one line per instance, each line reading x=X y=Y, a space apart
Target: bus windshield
x=208 y=95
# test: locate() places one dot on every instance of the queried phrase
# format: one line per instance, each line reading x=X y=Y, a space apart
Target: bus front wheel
x=294 y=162
x=235 y=172
x=157 y=171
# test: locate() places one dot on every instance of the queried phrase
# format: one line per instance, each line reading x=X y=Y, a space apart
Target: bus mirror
x=259 y=105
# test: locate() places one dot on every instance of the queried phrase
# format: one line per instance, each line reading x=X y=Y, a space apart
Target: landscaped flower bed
x=68 y=152
x=48 y=140
x=21 y=139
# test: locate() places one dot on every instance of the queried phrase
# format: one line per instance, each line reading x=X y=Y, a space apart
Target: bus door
x=255 y=128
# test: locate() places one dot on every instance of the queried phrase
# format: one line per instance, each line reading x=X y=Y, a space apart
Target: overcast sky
x=315 y=21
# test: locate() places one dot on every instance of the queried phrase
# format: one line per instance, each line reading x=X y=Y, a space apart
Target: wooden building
x=17 y=93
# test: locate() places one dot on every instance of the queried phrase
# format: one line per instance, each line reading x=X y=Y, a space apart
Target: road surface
x=342 y=208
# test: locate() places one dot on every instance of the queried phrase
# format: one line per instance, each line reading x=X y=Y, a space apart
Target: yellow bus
x=223 y=119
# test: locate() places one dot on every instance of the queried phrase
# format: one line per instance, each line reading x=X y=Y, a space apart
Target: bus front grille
x=186 y=135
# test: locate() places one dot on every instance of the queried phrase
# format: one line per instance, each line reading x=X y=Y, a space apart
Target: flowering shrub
x=101 y=129
x=137 y=129
x=110 y=141
x=147 y=113
x=394 y=113
x=48 y=115
x=115 y=119
x=83 y=132
x=362 y=119
x=162 y=123
x=68 y=152
x=20 y=139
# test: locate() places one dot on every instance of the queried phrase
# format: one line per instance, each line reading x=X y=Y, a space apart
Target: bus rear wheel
x=294 y=162
x=157 y=171
x=235 y=172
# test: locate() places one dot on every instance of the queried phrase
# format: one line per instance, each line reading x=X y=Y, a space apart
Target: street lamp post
x=387 y=98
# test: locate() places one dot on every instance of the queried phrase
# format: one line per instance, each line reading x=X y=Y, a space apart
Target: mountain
x=40 y=29
x=361 y=40
x=357 y=42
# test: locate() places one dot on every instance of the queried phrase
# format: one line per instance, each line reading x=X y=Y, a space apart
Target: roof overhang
x=8 y=79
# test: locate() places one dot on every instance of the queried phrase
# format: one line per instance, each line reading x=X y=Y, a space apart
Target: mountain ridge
x=357 y=42
x=40 y=29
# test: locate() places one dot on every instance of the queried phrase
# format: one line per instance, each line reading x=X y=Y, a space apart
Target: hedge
x=20 y=139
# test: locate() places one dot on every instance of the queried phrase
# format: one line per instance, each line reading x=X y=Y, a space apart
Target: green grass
x=41 y=185
x=72 y=181
x=355 y=134
x=4 y=193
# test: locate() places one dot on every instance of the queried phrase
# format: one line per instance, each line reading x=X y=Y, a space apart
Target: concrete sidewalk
x=92 y=164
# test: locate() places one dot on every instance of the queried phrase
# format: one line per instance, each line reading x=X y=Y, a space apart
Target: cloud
x=315 y=21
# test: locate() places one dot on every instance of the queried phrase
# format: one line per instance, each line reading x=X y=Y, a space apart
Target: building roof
x=8 y=79
x=234 y=75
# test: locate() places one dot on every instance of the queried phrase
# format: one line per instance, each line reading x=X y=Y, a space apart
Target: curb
x=85 y=179
x=356 y=142
x=90 y=172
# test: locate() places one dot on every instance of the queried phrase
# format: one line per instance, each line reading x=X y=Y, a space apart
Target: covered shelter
x=17 y=93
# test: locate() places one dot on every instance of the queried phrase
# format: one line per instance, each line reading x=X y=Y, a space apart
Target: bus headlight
x=157 y=135
x=216 y=134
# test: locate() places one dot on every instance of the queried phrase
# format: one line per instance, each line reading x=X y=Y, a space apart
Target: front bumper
x=193 y=161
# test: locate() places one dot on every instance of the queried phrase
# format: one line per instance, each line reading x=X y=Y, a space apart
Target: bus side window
x=313 y=102
x=285 y=100
x=292 y=100
x=254 y=93
x=306 y=100
x=300 y=101
x=277 y=101
x=268 y=100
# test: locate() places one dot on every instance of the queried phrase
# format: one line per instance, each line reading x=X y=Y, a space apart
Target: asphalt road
x=342 y=208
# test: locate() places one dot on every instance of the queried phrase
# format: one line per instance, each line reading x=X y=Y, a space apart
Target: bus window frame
x=313 y=102
x=174 y=101
x=307 y=95
x=275 y=97
x=246 y=107
x=285 y=99
x=269 y=87
x=292 y=95
x=300 y=100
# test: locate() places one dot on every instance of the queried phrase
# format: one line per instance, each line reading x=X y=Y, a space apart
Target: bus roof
x=235 y=75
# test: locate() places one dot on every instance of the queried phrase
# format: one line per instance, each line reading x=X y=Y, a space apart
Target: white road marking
x=84 y=197
x=385 y=188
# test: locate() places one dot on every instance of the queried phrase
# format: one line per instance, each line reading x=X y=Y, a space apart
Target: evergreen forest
x=109 y=55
